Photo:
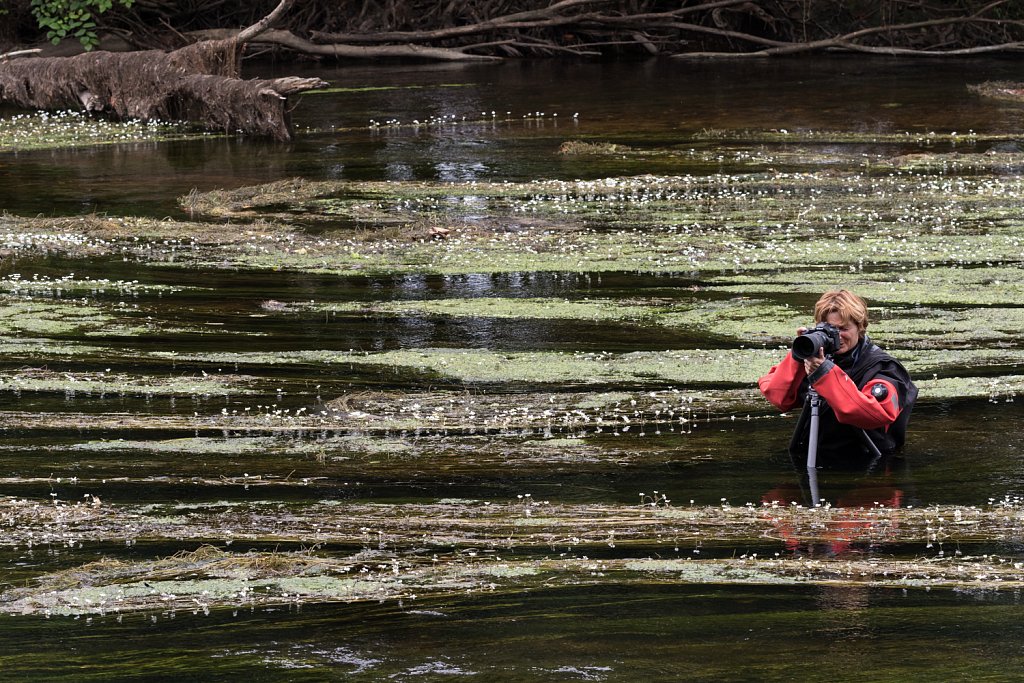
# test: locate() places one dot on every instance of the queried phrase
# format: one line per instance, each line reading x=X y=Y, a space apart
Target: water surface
x=960 y=452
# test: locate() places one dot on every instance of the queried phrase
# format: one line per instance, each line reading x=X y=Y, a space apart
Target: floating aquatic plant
x=49 y=130
x=391 y=564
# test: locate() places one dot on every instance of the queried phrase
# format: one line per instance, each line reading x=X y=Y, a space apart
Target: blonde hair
x=849 y=307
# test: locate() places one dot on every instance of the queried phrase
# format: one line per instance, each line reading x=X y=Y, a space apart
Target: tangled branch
x=495 y=29
x=714 y=28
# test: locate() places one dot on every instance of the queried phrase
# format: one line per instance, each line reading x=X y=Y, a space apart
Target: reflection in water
x=474 y=285
x=398 y=171
x=449 y=172
x=843 y=494
x=846 y=623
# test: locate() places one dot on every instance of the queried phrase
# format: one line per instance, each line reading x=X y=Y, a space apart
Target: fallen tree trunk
x=255 y=107
x=198 y=83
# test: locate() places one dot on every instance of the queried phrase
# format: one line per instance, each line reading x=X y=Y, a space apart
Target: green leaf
x=77 y=17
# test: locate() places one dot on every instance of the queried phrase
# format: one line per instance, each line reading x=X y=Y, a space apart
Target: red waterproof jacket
x=866 y=389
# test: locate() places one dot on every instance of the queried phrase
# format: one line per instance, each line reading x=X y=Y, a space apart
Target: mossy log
x=198 y=83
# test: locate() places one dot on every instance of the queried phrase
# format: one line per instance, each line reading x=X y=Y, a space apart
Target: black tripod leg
x=872 y=448
x=876 y=455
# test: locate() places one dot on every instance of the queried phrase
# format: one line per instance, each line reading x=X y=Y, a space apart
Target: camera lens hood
x=807 y=345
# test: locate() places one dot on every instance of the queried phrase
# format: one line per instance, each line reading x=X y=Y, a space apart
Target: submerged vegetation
x=479 y=312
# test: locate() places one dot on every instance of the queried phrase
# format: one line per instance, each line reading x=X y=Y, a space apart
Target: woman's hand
x=812 y=363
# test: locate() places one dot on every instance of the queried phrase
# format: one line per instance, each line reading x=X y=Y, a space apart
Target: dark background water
x=652 y=103
x=959 y=453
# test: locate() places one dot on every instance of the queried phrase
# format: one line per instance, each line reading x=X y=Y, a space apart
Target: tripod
x=815 y=401
x=813 y=407
x=812 y=438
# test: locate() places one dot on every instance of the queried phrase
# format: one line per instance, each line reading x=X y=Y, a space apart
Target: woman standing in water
x=866 y=394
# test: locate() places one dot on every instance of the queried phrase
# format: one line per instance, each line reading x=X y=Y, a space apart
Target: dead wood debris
x=198 y=83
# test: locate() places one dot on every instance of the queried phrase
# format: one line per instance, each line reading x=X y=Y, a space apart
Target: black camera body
x=822 y=336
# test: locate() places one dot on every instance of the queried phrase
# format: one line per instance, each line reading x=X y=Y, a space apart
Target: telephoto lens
x=806 y=345
x=823 y=336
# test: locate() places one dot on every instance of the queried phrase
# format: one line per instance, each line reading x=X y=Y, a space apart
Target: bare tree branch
x=767 y=26
x=848 y=41
x=545 y=18
x=340 y=51
x=264 y=24
x=478 y=30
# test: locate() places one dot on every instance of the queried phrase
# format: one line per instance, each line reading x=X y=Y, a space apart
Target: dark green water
x=960 y=452
x=662 y=632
